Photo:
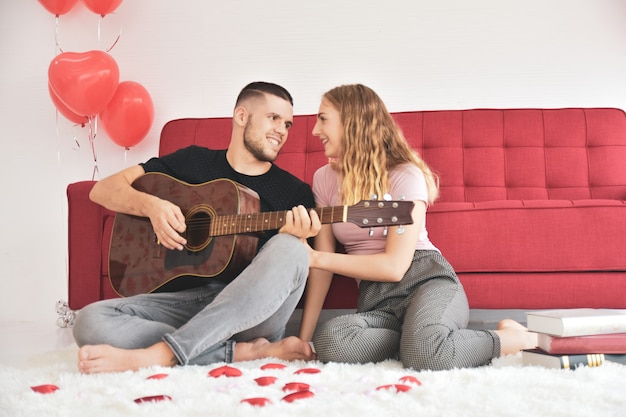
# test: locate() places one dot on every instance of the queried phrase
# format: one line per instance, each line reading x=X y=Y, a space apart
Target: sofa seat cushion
x=544 y=290
x=531 y=235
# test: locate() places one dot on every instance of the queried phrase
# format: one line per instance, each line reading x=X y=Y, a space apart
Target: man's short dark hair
x=259 y=88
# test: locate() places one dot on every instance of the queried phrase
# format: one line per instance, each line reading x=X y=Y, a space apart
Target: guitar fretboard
x=270 y=220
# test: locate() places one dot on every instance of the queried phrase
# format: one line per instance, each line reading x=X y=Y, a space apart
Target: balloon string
x=56 y=35
x=93 y=128
x=119 y=35
x=56 y=118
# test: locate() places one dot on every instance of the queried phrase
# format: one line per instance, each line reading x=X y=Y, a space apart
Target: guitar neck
x=269 y=220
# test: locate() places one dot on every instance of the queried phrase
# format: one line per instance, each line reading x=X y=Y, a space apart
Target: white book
x=577 y=321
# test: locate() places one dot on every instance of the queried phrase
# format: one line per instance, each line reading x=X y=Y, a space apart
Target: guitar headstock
x=373 y=213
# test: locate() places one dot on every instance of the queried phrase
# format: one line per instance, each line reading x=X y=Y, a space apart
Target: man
x=218 y=322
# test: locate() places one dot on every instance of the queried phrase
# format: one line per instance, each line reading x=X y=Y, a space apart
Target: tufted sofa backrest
x=479 y=155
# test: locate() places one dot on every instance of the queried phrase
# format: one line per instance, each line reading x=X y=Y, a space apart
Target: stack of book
x=576 y=337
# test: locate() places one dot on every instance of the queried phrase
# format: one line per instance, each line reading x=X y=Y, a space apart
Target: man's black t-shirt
x=278 y=190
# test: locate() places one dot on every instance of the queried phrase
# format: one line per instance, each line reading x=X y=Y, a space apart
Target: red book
x=604 y=343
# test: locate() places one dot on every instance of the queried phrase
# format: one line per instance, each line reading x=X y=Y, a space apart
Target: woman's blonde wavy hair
x=372 y=144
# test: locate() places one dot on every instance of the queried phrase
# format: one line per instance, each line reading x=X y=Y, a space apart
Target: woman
x=412 y=306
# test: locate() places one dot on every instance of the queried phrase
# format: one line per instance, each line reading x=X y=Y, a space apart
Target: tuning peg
x=373 y=196
x=371 y=232
x=385 y=231
x=400 y=230
x=387 y=197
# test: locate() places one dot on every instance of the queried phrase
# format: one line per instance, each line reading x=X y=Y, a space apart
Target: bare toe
x=511 y=324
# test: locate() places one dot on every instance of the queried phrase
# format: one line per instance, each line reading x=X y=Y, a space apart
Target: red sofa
x=532 y=212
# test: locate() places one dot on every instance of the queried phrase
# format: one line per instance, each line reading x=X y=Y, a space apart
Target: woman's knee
x=323 y=332
x=430 y=348
x=349 y=339
x=327 y=343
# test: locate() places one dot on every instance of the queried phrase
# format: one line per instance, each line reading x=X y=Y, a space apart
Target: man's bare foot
x=514 y=337
x=105 y=358
x=288 y=349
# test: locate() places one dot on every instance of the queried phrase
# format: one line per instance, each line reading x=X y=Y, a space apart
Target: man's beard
x=255 y=147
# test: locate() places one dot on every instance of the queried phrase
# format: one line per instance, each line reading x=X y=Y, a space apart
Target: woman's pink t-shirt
x=407 y=182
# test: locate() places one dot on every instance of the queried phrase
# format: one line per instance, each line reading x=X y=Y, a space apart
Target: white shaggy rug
x=505 y=388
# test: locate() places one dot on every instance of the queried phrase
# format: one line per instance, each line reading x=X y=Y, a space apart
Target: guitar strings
x=245 y=220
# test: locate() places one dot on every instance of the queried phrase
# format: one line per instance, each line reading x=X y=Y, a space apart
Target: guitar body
x=223 y=221
x=139 y=264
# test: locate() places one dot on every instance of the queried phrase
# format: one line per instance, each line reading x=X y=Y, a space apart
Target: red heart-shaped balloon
x=128 y=116
x=84 y=81
x=62 y=108
x=58 y=7
x=102 y=7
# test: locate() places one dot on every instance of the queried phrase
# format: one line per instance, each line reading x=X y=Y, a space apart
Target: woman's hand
x=301 y=224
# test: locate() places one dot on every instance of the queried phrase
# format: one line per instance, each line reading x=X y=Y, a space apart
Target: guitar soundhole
x=198 y=233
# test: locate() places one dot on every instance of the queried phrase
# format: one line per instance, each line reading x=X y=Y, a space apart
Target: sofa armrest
x=85 y=229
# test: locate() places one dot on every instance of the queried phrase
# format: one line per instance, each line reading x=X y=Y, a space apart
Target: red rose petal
x=273 y=366
x=397 y=387
x=296 y=386
x=45 y=389
x=226 y=371
x=153 y=398
x=265 y=380
x=298 y=396
x=257 y=401
x=158 y=376
x=410 y=379
x=307 y=371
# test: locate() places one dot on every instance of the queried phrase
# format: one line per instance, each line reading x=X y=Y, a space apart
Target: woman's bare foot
x=511 y=324
x=514 y=337
x=288 y=349
x=105 y=358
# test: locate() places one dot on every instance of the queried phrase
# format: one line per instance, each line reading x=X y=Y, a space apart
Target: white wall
x=194 y=56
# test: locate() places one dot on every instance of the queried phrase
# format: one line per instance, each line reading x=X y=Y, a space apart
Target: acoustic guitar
x=223 y=225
